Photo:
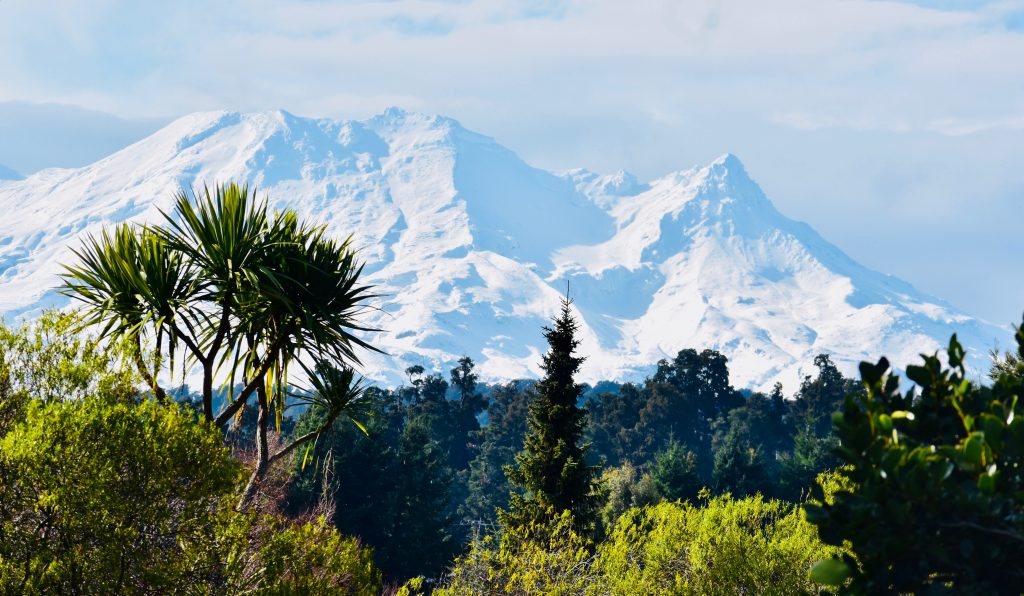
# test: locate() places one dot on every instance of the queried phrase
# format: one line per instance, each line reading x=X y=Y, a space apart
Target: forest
x=282 y=471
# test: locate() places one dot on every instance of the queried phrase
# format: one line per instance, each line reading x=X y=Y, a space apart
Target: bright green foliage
x=104 y=491
x=727 y=546
x=109 y=496
x=939 y=477
x=552 y=469
x=546 y=557
x=413 y=587
x=101 y=497
x=268 y=556
x=47 y=360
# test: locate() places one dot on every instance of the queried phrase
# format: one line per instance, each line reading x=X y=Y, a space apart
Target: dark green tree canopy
x=935 y=478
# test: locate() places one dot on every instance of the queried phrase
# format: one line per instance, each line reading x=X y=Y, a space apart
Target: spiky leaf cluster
x=244 y=292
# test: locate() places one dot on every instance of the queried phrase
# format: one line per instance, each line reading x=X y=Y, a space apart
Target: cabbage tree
x=227 y=287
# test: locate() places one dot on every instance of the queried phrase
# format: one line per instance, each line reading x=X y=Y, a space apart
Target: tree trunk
x=208 y=390
x=262 y=451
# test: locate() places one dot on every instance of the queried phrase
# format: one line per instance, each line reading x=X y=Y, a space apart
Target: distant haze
x=37 y=136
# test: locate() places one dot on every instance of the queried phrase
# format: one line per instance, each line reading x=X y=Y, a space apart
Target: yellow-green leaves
x=726 y=546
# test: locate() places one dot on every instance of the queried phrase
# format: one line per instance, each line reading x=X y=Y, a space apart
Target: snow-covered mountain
x=473 y=248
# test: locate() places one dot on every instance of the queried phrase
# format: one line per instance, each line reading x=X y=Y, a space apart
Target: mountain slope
x=473 y=248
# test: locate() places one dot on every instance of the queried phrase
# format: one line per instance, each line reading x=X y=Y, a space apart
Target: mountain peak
x=726 y=178
x=729 y=167
x=397 y=116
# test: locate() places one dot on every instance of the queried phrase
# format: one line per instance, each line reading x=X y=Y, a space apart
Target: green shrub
x=548 y=557
x=268 y=555
x=105 y=495
x=48 y=360
x=108 y=498
x=938 y=502
x=726 y=546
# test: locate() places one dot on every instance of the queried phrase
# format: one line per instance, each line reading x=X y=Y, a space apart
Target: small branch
x=299 y=441
x=263 y=465
x=225 y=416
x=158 y=392
x=986 y=530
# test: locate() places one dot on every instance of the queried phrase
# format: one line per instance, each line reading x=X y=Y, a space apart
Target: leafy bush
x=108 y=495
x=727 y=546
x=48 y=360
x=267 y=555
x=546 y=557
x=939 y=477
x=103 y=493
x=622 y=488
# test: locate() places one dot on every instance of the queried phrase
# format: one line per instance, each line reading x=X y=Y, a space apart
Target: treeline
x=429 y=473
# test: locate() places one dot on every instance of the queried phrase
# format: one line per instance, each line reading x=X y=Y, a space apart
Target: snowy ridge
x=473 y=248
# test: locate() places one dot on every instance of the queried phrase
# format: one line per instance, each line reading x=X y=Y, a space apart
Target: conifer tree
x=422 y=523
x=550 y=472
x=674 y=473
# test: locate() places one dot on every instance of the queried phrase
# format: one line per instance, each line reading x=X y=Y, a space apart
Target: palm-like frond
x=128 y=279
x=303 y=298
x=243 y=290
x=223 y=233
x=337 y=392
x=129 y=282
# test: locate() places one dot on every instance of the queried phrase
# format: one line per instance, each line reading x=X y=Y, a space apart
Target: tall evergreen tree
x=422 y=521
x=463 y=414
x=740 y=468
x=819 y=398
x=551 y=471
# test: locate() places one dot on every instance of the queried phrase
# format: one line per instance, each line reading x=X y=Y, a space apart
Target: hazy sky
x=894 y=128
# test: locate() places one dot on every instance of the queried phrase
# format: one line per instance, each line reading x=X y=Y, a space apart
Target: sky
x=895 y=128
